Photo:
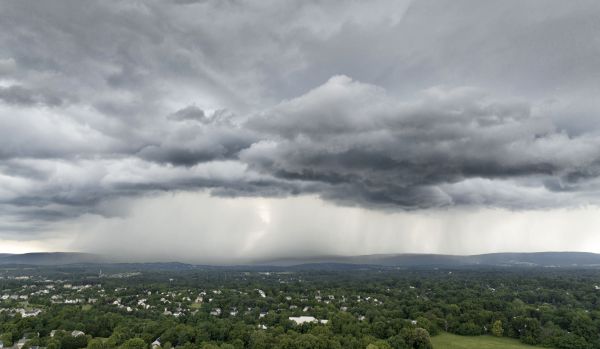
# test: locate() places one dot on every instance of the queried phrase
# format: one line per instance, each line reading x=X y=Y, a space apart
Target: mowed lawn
x=451 y=341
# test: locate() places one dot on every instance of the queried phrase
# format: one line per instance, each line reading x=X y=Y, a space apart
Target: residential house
x=77 y=333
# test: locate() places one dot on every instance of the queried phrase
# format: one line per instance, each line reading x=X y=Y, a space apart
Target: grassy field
x=451 y=341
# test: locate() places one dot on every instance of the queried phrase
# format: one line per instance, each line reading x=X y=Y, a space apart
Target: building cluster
x=178 y=302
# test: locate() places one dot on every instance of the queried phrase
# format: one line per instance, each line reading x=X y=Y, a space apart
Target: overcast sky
x=229 y=129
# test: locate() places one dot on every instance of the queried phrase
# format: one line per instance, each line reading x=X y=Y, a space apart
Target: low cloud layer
x=391 y=106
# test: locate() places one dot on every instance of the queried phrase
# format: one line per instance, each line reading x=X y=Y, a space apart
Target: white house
x=21 y=343
x=299 y=320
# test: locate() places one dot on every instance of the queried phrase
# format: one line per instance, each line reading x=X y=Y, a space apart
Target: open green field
x=451 y=341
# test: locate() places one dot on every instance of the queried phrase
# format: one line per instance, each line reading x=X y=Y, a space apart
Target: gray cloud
x=190 y=113
x=372 y=148
x=25 y=97
x=363 y=105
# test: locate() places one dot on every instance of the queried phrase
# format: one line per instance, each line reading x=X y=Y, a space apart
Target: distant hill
x=539 y=259
x=543 y=259
x=50 y=258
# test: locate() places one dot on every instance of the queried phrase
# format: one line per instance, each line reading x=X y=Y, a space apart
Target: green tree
x=497 y=329
x=7 y=338
x=258 y=340
x=379 y=345
x=209 y=346
x=134 y=343
x=53 y=343
x=422 y=339
x=97 y=343
x=70 y=342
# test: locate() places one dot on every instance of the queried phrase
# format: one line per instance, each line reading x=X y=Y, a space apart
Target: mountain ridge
x=51 y=258
x=507 y=259
x=547 y=258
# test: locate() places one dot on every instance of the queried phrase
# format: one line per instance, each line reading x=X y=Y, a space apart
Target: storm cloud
x=393 y=106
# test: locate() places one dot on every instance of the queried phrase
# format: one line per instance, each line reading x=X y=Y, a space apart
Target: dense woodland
x=374 y=308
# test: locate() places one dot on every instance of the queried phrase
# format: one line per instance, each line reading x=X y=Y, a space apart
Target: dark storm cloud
x=367 y=105
x=204 y=139
x=25 y=97
x=190 y=113
x=372 y=148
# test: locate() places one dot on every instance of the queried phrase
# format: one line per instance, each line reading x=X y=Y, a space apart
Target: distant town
x=73 y=307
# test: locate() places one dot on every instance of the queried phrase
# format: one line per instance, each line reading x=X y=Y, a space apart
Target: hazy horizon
x=238 y=130
x=543 y=259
